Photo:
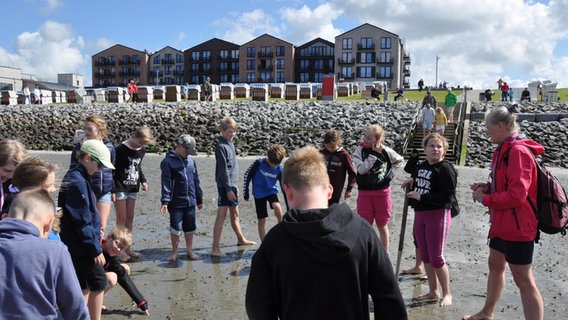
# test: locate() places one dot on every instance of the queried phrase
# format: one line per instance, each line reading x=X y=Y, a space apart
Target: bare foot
x=133 y=253
x=173 y=257
x=478 y=316
x=424 y=278
x=216 y=252
x=446 y=301
x=246 y=242
x=426 y=298
x=415 y=270
x=192 y=256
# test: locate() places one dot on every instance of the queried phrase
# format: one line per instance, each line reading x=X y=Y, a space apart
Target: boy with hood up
x=320 y=262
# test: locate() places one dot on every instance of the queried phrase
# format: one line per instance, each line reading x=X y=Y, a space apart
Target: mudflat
x=214 y=288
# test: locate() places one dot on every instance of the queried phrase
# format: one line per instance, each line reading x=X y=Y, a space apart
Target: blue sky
x=477 y=41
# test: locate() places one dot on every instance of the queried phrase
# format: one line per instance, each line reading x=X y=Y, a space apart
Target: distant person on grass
x=321 y=262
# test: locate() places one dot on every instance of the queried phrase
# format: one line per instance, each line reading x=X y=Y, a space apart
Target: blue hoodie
x=37 y=275
x=103 y=181
x=180 y=182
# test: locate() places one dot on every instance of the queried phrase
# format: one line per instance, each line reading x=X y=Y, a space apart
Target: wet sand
x=214 y=288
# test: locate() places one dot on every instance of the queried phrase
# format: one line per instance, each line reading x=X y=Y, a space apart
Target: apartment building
x=118 y=64
x=368 y=54
x=216 y=58
x=313 y=60
x=266 y=59
x=166 y=67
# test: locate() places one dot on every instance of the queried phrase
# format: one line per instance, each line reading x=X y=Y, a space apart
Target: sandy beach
x=214 y=288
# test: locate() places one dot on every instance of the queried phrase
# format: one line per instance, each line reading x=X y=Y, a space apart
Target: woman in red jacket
x=513 y=222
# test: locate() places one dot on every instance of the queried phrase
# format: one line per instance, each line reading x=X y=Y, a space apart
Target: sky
x=474 y=42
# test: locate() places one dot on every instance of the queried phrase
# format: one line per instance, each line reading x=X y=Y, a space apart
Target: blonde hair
x=99 y=122
x=11 y=152
x=144 y=134
x=305 y=168
x=122 y=234
x=32 y=172
x=228 y=123
x=378 y=132
x=276 y=153
x=435 y=136
x=439 y=110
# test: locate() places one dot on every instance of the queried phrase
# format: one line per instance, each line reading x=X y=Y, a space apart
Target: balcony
x=406 y=59
x=105 y=74
x=406 y=72
x=380 y=76
x=168 y=61
x=265 y=68
x=345 y=61
x=372 y=60
x=265 y=54
x=129 y=73
x=178 y=73
x=387 y=61
x=347 y=77
x=361 y=46
x=129 y=62
x=104 y=63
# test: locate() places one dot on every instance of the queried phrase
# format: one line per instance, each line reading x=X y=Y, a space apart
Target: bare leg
x=433 y=293
x=533 y=308
x=443 y=276
x=189 y=246
x=495 y=285
x=95 y=304
x=104 y=212
x=384 y=236
x=217 y=230
x=120 y=210
x=128 y=223
x=417 y=269
x=175 y=244
x=261 y=228
x=235 y=224
x=277 y=211
x=112 y=280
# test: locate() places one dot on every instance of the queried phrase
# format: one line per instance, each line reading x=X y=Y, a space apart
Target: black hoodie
x=322 y=264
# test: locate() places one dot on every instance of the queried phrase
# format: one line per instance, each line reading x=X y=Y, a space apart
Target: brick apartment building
x=118 y=64
x=166 y=67
x=266 y=59
x=313 y=60
x=216 y=58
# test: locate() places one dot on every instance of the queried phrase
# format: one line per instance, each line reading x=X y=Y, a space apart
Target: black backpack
x=551 y=207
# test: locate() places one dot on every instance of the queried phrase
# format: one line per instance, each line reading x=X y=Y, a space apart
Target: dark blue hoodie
x=180 y=181
x=103 y=181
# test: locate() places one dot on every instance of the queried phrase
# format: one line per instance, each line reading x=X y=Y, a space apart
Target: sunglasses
x=88 y=129
x=99 y=163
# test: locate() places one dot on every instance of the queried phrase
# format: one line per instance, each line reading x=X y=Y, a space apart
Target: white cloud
x=301 y=24
x=246 y=26
x=50 y=50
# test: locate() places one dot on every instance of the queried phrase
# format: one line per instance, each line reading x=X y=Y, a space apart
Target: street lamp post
x=436 y=82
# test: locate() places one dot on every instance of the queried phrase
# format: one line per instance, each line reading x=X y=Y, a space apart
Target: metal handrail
x=411 y=130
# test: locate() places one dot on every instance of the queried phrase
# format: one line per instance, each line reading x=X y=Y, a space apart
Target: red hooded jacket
x=512 y=216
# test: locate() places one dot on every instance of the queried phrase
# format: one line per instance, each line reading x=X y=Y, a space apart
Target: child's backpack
x=551 y=207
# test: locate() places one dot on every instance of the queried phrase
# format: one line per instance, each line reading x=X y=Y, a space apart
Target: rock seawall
x=291 y=123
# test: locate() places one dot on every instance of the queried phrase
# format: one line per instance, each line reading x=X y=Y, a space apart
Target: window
x=224 y=54
x=157 y=70
x=386 y=56
x=367 y=43
x=279 y=63
x=223 y=66
x=111 y=59
x=251 y=64
x=385 y=72
x=265 y=76
x=265 y=52
x=125 y=58
x=251 y=52
x=179 y=58
x=304 y=64
x=304 y=77
x=224 y=78
x=347 y=72
x=234 y=66
x=234 y=78
x=385 y=43
x=195 y=67
x=168 y=58
x=168 y=70
x=156 y=59
x=179 y=69
x=206 y=67
x=366 y=57
x=280 y=76
x=280 y=51
x=347 y=57
x=347 y=43
x=251 y=77
x=235 y=54
x=318 y=64
x=195 y=56
x=135 y=58
x=194 y=79
x=206 y=55
x=366 y=72
x=318 y=77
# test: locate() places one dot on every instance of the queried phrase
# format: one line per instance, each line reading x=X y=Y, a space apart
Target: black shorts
x=516 y=252
x=91 y=276
x=260 y=205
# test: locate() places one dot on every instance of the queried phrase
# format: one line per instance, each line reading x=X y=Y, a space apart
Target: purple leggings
x=431 y=229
